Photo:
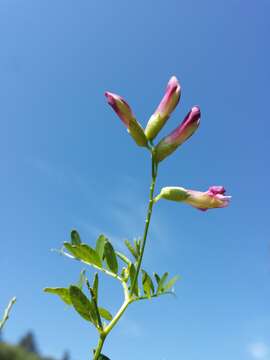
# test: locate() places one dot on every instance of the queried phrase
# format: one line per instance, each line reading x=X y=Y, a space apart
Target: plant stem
x=101 y=340
x=128 y=296
x=147 y=222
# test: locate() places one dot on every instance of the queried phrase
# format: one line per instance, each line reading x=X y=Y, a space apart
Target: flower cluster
x=215 y=196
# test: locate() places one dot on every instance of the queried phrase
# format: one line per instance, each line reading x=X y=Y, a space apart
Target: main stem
x=128 y=296
x=99 y=346
x=147 y=222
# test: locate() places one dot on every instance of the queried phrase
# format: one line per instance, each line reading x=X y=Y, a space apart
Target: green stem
x=117 y=317
x=101 y=340
x=147 y=222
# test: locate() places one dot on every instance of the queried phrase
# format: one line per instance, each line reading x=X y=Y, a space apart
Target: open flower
x=123 y=110
x=214 y=197
x=179 y=135
x=164 y=109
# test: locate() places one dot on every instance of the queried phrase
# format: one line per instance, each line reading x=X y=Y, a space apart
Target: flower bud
x=178 y=136
x=164 y=110
x=214 y=197
x=123 y=110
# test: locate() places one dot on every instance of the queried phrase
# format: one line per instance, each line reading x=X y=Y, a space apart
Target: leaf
x=132 y=272
x=82 y=279
x=95 y=286
x=75 y=237
x=148 y=286
x=123 y=257
x=101 y=240
x=161 y=283
x=131 y=249
x=105 y=314
x=85 y=253
x=157 y=278
x=138 y=246
x=82 y=305
x=63 y=293
x=170 y=284
x=110 y=257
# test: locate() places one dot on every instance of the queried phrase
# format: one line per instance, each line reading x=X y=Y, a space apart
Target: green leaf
x=161 y=283
x=132 y=272
x=95 y=286
x=101 y=240
x=75 y=238
x=131 y=249
x=105 y=314
x=138 y=246
x=123 y=257
x=85 y=253
x=157 y=278
x=82 y=305
x=82 y=279
x=148 y=286
x=170 y=284
x=63 y=293
x=110 y=257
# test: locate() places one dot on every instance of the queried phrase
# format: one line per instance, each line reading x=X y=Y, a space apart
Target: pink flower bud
x=178 y=136
x=214 y=197
x=164 y=110
x=123 y=110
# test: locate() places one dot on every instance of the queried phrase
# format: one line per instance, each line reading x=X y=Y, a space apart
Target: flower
x=179 y=135
x=123 y=110
x=214 y=197
x=164 y=109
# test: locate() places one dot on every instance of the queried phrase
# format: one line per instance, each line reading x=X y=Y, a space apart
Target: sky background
x=67 y=162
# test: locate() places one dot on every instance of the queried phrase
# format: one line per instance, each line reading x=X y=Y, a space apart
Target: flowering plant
x=137 y=284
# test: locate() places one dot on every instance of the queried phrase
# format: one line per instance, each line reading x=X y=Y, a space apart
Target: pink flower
x=214 y=197
x=123 y=110
x=178 y=136
x=164 y=109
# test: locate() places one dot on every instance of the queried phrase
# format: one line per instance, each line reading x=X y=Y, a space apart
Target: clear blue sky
x=67 y=161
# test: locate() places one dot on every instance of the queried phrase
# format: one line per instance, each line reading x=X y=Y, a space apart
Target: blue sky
x=67 y=161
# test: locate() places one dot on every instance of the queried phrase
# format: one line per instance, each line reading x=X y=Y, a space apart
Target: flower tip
x=196 y=110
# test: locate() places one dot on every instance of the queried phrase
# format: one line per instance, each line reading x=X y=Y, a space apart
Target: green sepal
x=75 y=237
x=85 y=253
x=63 y=293
x=82 y=304
x=110 y=257
x=148 y=286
